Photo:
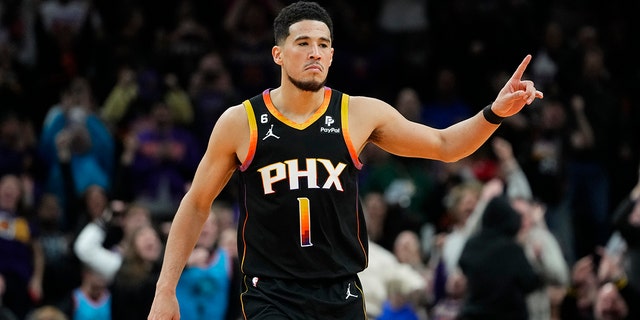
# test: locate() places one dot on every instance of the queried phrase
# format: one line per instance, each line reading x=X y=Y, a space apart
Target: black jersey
x=300 y=212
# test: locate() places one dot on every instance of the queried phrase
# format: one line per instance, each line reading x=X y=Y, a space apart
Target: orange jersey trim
x=344 y=110
x=253 y=135
x=300 y=126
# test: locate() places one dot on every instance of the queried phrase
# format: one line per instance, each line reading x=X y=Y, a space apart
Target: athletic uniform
x=302 y=237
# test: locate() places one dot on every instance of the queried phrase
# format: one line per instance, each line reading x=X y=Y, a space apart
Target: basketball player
x=301 y=235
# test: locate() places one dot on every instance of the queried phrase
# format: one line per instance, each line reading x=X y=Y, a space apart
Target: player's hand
x=164 y=307
x=516 y=93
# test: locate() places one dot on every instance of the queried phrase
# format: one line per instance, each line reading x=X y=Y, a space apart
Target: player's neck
x=295 y=104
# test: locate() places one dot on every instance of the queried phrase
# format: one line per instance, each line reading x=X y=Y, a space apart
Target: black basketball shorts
x=280 y=299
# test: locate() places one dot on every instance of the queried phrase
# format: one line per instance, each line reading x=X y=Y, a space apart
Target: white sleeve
x=88 y=248
x=517 y=184
x=411 y=279
x=474 y=221
x=552 y=264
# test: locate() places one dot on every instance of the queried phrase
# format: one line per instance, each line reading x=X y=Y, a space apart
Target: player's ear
x=276 y=53
x=331 y=56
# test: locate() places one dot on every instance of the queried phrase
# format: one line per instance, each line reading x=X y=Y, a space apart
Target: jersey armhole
x=344 y=110
x=253 y=135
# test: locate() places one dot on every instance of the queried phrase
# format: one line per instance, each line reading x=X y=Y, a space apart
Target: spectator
x=89 y=245
x=228 y=242
x=405 y=182
x=47 y=312
x=166 y=158
x=91 y=300
x=498 y=274
x=615 y=299
x=398 y=305
x=22 y=265
x=461 y=203
x=227 y=225
x=384 y=269
x=544 y=254
x=62 y=268
x=203 y=287
x=377 y=210
x=579 y=301
x=72 y=133
x=118 y=108
x=408 y=251
x=448 y=308
x=545 y=163
x=610 y=305
x=135 y=91
x=134 y=284
x=509 y=170
x=626 y=220
x=94 y=204
x=592 y=144
x=467 y=203
x=408 y=103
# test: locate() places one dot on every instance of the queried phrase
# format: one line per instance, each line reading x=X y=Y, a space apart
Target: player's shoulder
x=358 y=100
x=368 y=106
x=367 y=102
x=231 y=129
x=235 y=114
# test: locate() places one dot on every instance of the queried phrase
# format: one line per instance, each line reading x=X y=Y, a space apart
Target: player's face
x=306 y=55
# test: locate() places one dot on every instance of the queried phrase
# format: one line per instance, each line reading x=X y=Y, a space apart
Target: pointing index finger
x=523 y=65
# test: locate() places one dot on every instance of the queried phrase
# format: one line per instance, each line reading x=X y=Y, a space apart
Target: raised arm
x=395 y=134
x=89 y=249
x=213 y=173
x=517 y=184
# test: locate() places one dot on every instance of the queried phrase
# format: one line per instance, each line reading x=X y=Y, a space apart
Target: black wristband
x=490 y=116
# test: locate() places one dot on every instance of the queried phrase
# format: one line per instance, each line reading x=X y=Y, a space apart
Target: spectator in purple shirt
x=165 y=159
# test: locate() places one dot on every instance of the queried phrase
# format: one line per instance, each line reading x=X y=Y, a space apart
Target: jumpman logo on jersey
x=349 y=294
x=270 y=134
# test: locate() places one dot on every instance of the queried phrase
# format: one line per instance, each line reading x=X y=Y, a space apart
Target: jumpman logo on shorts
x=270 y=134
x=349 y=294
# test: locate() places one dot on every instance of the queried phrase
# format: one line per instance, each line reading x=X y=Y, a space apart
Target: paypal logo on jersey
x=328 y=121
x=329 y=130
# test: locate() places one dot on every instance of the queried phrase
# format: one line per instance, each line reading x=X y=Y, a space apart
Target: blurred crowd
x=106 y=108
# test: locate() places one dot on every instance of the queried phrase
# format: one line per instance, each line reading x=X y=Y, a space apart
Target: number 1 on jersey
x=305 y=222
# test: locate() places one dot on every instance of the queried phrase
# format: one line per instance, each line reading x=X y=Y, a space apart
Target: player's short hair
x=296 y=12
